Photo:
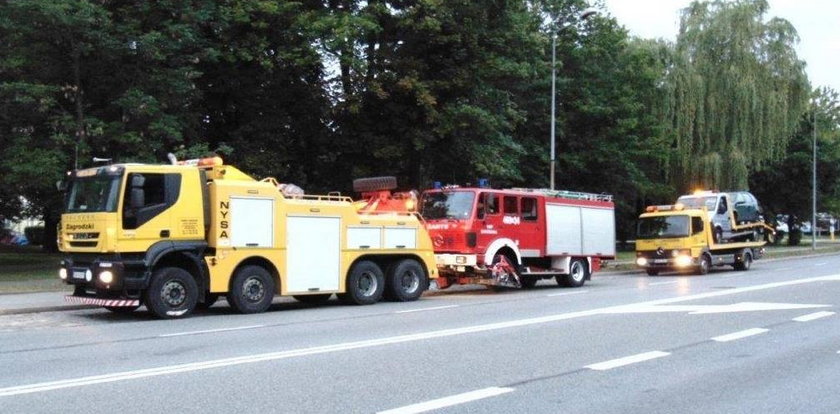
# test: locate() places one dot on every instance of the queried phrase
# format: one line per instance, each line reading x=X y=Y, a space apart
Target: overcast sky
x=816 y=21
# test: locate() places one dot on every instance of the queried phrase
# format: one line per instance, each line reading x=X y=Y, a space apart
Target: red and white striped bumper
x=102 y=302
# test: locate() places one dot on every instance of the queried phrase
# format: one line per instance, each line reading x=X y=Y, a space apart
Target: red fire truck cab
x=516 y=237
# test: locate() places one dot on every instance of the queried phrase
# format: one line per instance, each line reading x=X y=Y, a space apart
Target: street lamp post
x=814 y=185
x=584 y=16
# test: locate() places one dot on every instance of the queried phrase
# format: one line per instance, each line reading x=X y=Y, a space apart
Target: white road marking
x=738 y=335
x=449 y=401
x=296 y=353
x=821 y=264
x=708 y=309
x=811 y=316
x=663 y=283
x=210 y=331
x=632 y=359
x=427 y=309
x=576 y=292
x=784 y=268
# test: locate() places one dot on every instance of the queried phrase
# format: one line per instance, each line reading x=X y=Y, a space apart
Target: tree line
x=317 y=93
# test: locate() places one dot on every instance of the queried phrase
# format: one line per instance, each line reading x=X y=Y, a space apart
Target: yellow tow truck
x=678 y=238
x=174 y=237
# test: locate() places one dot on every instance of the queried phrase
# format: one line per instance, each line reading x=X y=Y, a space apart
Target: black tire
x=528 y=282
x=365 y=284
x=405 y=281
x=705 y=265
x=315 y=299
x=578 y=273
x=652 y=272
x=363 y=185
x=122 y=310
x=172 y=293
x=209 y=300
x=251 y=290
x=745 y=262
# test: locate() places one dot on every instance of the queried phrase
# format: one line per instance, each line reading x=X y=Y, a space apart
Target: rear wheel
x=745 y=262
x=578 y=272
x=313 y=299
x=251 y=290
x=406 y=281
x=172 y=293
x=365 y=284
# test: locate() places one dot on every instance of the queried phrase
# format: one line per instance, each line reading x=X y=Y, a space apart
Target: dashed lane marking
x=239 y=328
x=577 y=292
x=811 y=316
x=740 y=334
x=632 y=359
x=449 y=401
x=427 y=309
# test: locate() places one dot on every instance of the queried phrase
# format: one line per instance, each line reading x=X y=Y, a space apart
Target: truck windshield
x=92 y=195
x=663 y=227
x=698 y=202
x=452 y=205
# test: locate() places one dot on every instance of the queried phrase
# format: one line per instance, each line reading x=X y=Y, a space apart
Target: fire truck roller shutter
x=498 y=244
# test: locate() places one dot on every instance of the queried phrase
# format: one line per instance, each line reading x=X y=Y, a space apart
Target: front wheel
x=406 y=281
x=705 y=265
x=365 y=284
x=251 y=290
x=578 y=273
x=172 y=293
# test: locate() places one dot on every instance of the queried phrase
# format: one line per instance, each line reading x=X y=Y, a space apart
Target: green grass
x=28 y=269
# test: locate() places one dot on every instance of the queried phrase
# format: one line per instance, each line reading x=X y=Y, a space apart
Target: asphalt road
x=762 y=341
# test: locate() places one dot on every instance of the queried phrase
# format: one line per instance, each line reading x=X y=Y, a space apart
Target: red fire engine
x=516 y=237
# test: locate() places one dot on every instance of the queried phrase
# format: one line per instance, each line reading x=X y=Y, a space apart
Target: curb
x=22 y=311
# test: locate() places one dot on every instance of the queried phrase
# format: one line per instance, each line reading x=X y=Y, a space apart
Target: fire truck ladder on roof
x=572 y=195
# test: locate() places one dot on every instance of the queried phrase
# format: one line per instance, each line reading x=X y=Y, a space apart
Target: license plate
x=660 y=260
x=78 y=274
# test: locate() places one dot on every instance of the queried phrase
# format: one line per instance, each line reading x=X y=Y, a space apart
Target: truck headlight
x=683 y=261
x=641 y=261
x=106 y=277
x=88 y=275
x=62 y=273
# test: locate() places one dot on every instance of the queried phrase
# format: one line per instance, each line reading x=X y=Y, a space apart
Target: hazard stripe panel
x=102 y=302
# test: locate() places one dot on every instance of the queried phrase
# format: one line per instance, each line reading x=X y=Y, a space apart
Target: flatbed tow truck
x=677 y=238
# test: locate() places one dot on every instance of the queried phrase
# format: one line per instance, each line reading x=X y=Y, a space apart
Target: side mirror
x=61 y=185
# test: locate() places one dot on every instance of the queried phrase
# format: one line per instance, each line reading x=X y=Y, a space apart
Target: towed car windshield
x=92 y=195
x=663 y=227
x=452 y=205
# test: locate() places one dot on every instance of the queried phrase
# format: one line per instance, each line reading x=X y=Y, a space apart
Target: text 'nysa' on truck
x=690 y=237
x=173 y=237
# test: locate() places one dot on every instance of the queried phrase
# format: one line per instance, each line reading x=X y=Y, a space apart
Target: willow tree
x=736 y=91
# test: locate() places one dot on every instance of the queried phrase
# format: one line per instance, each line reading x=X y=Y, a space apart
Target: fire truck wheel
x=124 y=310
x=405 y=281
x=251 y=290
x=314 y=299
x=172 y=293
x=365 y=284
x=705 y=264
x=577 y=274
x=209 y=300
x=363 y=185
